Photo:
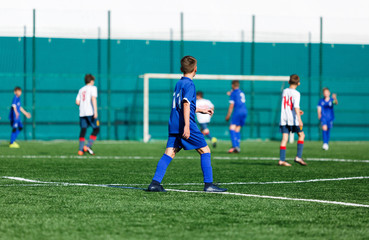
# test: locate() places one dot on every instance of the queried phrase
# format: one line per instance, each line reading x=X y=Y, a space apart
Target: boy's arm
x=334 y=96
x=27 y=114
x=77 y=102
x=94 y=104
x=186 y=116
x=209 y=111
x=297 y=110
x=15 y=111
x=319 y=109
x=230 y=110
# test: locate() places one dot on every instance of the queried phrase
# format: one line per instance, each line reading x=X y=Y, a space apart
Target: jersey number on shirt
x=287 y=102
x=83 y=95
x=177 y=100
x=243 y=98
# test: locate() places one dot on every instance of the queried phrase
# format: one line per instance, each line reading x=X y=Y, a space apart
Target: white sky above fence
x=209 y=20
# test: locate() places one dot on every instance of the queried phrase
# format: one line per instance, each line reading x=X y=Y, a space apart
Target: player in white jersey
x=204 y=119
x=86 y=100
x=291 y=121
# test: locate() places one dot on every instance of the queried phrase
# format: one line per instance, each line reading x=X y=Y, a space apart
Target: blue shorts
x=239 y=119
x=16 y=123
x=84 y=122
x=288 y=129
x=195 y=141
x=203 y=126
x=329 y=123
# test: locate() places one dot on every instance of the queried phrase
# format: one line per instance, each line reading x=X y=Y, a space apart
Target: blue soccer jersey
x=15 y=103
x=184 y=91
x=326 y=109
x=239 y=100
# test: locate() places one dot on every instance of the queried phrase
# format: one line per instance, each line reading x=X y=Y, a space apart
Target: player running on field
x=326 y=115
x=291 y=121
x=204 y=119
x=15 y=117
x=237 y=108
x=183 y=130
x=86 y=100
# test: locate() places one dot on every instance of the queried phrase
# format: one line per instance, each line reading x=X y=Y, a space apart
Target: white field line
x=192 y=184
x=178 y=157
x=274 y=197
x=188 y=191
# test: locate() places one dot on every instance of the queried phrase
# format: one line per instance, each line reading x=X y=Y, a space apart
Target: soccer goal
x=163 y=76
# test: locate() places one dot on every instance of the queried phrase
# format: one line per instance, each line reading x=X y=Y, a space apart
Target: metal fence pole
x=182 y=37
x=171 y=66
x=321 y=58
x=34 y=77
x=309 y=77
x=99 y=73
x=25 y=79
x=242 y=54
x=109 y=78
x=320 y=66
x=252 y=72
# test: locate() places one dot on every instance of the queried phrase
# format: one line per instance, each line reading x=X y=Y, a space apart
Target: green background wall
x=62 y=63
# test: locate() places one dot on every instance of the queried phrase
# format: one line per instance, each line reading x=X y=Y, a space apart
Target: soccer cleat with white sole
x=300 y=161
x=89 y=150
x=284 y=164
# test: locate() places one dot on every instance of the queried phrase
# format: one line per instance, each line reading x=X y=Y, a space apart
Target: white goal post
x=147 y=76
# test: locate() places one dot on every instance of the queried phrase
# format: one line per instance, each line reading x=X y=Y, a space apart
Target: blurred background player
x=326 y=115
x=183 y=130
x=237 y=106
x=204 y=119
x=291 y=121
x=15 y=118
x=86 y=100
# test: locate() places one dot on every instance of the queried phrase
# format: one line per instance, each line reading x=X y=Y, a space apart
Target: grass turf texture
x=71 y=212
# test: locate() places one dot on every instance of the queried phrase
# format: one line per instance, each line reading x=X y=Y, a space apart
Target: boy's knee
x=203 y=150
x=95 y=131
x=325 y=127
x=301 y=135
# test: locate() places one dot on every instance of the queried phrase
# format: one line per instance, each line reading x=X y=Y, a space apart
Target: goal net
x=263 y=95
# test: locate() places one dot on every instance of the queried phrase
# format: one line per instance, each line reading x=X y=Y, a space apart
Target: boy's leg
x=232 y=134
x=93 y=137
x=82 y=135
x=282 y=150
x=207 y=170
x=163 y=164
x=14 y=135
x=325 y=134
x=238 y=136
x=300 y=147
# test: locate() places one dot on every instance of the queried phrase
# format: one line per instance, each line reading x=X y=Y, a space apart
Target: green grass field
x=104 y=208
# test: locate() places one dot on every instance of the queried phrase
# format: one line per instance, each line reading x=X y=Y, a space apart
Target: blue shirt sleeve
x=188 y=93
x=14 y=102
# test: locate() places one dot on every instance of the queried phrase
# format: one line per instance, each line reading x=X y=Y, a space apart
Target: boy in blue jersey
x=326 y=115
x=237 y=106
x=15 y=118
x=183 y=130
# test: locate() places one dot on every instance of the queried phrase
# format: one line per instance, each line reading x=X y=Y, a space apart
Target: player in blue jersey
x=237 y=109
x=326 y=115
x=183 y=130
x=15 y=117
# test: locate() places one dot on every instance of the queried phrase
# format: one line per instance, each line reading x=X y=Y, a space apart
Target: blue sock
x=238 y=136
x=328 y=135
x=161 y=168
x=232 y=133
x=300 y=147
x=282 y=153
x=207 y=170
x=81 y=143
x=91 y=141
x=325 y=136
x=14 y=136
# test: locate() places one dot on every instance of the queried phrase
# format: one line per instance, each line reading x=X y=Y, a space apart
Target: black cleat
x=155 y=188
x=214 y=188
